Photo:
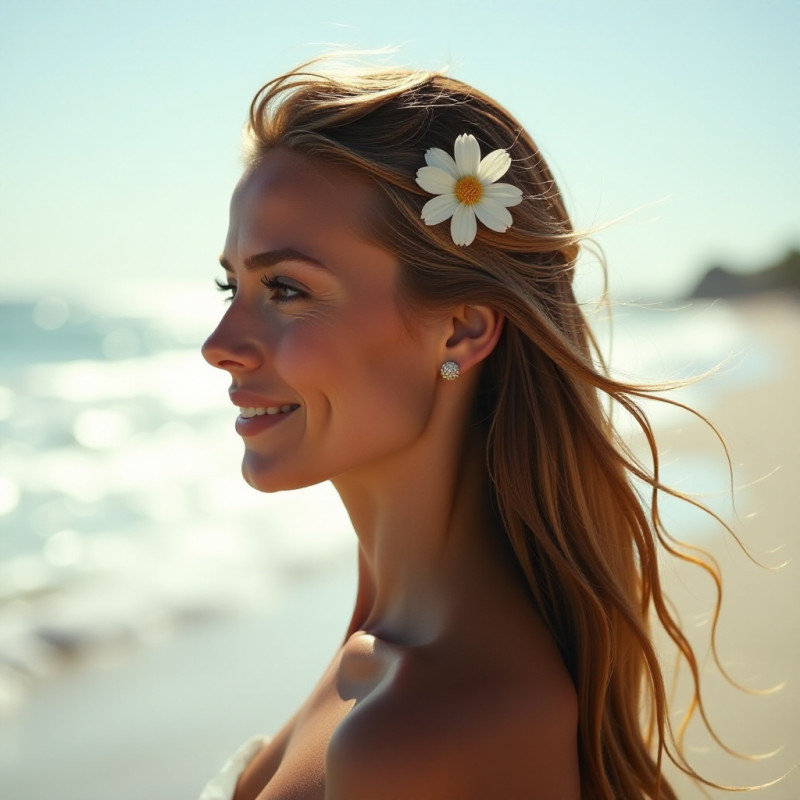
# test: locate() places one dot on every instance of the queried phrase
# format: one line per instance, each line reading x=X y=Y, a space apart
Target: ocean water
x=122 y=511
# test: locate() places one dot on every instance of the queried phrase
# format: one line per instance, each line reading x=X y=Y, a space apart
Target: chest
x=319 y=742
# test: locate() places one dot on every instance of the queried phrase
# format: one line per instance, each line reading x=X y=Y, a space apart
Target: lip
x=245 y=399
x=250 y=426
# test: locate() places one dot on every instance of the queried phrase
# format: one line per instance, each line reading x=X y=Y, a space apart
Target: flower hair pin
x=466 y=188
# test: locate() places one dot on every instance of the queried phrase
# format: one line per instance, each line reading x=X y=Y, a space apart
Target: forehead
x=289 y=199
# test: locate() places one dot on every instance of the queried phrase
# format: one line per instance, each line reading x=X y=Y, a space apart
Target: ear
x=475 y=333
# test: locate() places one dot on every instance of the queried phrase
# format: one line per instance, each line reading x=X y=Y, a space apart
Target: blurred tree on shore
x=782 y=276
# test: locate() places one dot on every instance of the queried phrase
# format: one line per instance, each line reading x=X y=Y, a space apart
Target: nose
x=232 y=345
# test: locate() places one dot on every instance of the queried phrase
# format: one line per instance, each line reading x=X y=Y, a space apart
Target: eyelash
x=275 y=285
x=226 y=286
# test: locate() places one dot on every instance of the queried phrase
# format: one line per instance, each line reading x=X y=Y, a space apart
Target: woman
x=402 y=323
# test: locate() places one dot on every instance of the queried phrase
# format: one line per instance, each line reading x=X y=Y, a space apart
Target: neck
x=427 y=538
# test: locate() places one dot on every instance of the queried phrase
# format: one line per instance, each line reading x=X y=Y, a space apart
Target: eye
x=226 y=286
x=281 y=291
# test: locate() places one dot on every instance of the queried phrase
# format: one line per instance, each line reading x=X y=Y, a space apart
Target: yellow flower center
x=468 y=190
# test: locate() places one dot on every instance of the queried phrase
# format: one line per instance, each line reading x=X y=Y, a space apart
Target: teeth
x=247 y=413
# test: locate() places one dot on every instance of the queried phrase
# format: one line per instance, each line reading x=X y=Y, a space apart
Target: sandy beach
x=157 y=720
x=759 y=630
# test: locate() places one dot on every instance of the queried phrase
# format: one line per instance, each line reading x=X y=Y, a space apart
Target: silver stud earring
x=450 y=371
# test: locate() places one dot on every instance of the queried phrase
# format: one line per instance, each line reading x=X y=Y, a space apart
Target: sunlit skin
x=447 y=684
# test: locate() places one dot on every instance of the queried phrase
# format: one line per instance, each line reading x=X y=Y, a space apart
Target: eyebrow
x=271 y=258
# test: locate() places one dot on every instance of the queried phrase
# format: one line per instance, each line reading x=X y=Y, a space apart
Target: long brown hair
x=562 y=478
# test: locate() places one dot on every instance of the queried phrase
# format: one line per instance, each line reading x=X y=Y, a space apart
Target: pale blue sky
x=121 y=121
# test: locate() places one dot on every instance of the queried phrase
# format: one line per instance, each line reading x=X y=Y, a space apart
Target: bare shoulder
x=488 y=726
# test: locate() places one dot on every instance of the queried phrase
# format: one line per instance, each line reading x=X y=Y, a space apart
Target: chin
x=270 y=478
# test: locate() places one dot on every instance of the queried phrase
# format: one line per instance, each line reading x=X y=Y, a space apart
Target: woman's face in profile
x=331 y=380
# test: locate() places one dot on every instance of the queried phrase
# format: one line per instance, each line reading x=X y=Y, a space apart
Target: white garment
x=223 y=785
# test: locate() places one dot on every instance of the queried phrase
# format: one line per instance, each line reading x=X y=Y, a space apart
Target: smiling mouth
x=247 y=413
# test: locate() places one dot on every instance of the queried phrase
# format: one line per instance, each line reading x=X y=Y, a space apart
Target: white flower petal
x=494 y=166
x=468 y=154
x=493 y=215
x=439 y=208
x=436 y=157
x=463 y=226
x=441 y=175
x=435 y=180
x=503 y=193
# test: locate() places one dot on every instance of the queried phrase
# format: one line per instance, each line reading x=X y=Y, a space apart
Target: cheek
x=304 y=356
x=368 y=370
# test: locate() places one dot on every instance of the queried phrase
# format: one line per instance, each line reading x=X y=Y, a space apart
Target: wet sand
x=156 y=721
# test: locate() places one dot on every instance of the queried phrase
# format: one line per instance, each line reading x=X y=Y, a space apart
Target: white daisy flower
x=466 y=189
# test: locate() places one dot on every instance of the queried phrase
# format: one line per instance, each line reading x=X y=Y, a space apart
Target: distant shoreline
x=782 y=277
